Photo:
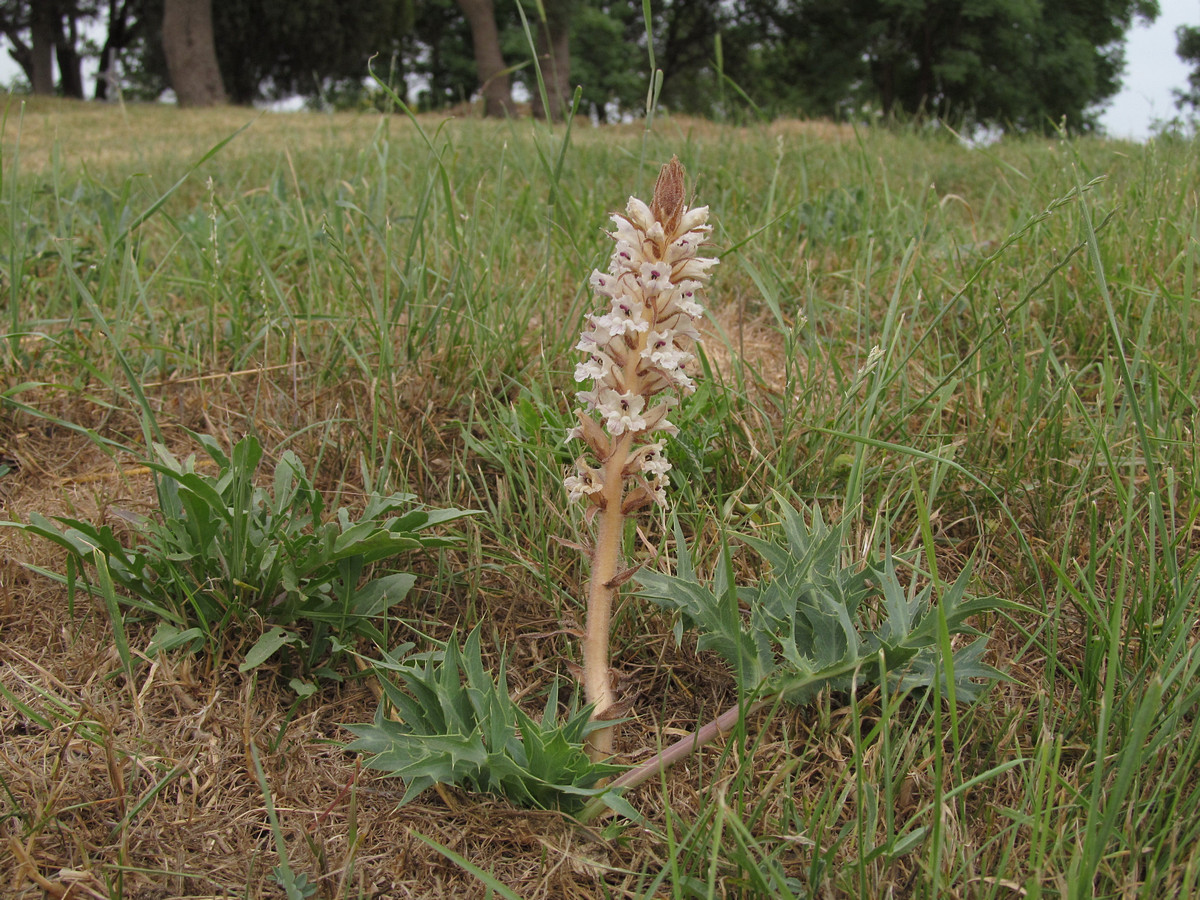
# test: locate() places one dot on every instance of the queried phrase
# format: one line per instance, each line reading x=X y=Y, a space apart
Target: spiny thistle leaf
x=457 y=725
x=805 y=628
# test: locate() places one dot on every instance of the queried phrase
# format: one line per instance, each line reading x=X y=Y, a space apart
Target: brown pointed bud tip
x=667 y=205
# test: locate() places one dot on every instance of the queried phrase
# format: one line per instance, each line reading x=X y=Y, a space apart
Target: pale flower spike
x=640 y=346
x=637 y=348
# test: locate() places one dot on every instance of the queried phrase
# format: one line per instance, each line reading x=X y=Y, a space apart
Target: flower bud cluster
x=639 y=346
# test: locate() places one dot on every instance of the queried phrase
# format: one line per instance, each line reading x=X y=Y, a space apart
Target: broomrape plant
x=804 y=631
x=636 y=351
x=819 y=618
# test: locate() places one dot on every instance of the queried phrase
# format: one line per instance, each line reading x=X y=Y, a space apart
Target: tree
x=683 y=44
x=438 y=52
x=66 y=52
x=39 y=33
x=607 y=57
x=713 y=51
x=190 y=51
x=1013 y=64
x=277 y=48
x=494 y=37
x=123 y=29
x=41 y=70
x=1187 y=48
x=489 y=60
x=41 y=53
x=553 y=46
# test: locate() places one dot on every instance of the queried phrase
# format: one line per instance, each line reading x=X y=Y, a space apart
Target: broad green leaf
x=378 y=596
x=265 y=647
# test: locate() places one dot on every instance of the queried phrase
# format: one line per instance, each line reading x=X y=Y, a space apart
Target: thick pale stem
x=606 y=561
x=642 y=275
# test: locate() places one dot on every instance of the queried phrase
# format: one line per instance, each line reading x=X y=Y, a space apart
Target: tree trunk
x=554 y=58
x=118 y=39
x=70 y=73
x=489 y=61
x=41 y=76
x=187 y=41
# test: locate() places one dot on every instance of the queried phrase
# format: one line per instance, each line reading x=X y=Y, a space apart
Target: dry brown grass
x=74 y=134
x=153 y=782
x=89 y=134
x=149 y=788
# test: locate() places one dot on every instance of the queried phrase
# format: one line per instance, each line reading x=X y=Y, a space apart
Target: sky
x=1151 y=70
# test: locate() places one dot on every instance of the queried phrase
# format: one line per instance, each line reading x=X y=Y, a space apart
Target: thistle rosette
x=637 y=351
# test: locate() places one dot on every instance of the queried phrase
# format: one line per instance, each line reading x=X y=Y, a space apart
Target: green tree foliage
x=265 y=48
x=608 y=58
x=684 y=48
x=1014 y=64
x=438 y=51
x=275 y=48
x=1188 y=49
x=607 y=53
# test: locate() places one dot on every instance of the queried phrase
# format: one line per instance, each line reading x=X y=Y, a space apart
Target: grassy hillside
x=397 y=302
